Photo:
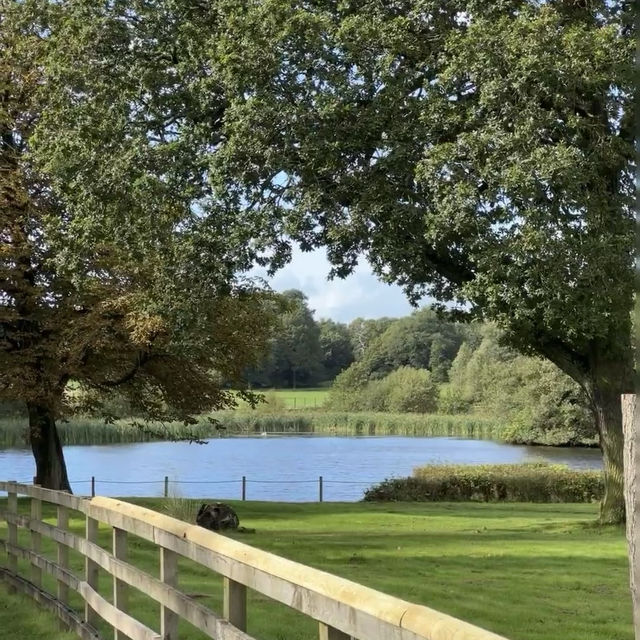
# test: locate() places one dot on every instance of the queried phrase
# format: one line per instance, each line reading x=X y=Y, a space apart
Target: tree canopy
x=118 y=269
x=477 y=152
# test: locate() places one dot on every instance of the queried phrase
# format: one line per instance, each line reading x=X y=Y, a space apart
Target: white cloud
x=359 y=295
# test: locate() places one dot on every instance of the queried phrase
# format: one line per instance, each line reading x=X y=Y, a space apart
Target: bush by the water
x=530 y=482
x=405 y=390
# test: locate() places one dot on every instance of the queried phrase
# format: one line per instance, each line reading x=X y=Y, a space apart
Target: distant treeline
x=419 y=364
x=307 y=353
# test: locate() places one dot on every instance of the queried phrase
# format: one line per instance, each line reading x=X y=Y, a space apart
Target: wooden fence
x=344 y=610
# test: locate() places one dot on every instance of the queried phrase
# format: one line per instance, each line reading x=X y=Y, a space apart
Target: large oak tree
x=117 y=266
x=479 y=152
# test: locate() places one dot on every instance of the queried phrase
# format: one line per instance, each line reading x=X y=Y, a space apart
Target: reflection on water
x=277 y=468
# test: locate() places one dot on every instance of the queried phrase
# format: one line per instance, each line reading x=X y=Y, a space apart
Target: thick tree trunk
x=609 y=421
x=610 y=381
x=51 y=470
x=631 y=429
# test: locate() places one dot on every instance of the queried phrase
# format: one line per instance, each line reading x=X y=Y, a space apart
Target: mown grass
x=93 y=431
x=528 y=572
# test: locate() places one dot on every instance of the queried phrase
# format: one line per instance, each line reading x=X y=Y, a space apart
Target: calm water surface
x=276 y=468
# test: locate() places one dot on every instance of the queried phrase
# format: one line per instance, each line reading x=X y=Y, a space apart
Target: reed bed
x=236 y=423
x=361 y=424
x=85 y=431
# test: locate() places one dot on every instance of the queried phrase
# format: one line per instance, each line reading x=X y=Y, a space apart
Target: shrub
x=529 y=482
x=411 y=390
x=405 y=390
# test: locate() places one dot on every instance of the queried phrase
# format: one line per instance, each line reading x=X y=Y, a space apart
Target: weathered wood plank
x=48 y=495
x=63 y=554
x=169 y=576
x=192 y=611
x=12 y=529
x=36 y=541
x=67 y=616
x=116 y=618
x=631 y=429
x=343 y=607
x=44 y=564
x=120 y=595
x=91 y=570
x=235 y=603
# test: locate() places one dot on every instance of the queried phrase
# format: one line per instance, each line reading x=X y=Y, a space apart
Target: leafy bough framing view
x=477 y=152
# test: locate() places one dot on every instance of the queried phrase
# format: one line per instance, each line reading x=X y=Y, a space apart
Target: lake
x=276 y=468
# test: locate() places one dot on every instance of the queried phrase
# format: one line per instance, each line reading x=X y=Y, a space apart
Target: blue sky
x=359 y=295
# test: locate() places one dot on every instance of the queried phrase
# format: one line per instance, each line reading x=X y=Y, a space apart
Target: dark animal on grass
x=217 y=517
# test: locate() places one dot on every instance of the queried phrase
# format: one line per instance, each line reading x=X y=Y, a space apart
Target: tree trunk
x=609 y=383
x=51 y=470
x=631 y=429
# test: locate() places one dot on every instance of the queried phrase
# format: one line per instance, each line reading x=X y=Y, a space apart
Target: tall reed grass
x=13 y=432
x=87 y=431
x=361 y=423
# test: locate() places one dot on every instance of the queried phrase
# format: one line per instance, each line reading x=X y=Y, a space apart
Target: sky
x=360 y=295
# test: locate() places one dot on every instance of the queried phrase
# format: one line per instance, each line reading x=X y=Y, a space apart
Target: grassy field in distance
x=311 y=398
x=527 y=572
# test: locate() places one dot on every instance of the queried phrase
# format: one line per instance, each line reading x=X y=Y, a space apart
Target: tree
x=297 y=345
x=111 y=276
x=539 y=403
x=409 y=342
x=477 y=152
x=362 y=331
x=295 y=354
x=335 y=346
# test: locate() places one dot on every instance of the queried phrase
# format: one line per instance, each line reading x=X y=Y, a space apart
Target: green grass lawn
x=528 y=572
x=297 y=398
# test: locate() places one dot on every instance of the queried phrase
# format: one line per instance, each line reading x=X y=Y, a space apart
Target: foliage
x=404 y=390
x=363 y=330
x=335 y=347
x=421 y=340
x=539 y=403
x=529 y=482
x=180 y=507
x=78 y=431
x=295 y=355
x=118 y=268
x=478 y=152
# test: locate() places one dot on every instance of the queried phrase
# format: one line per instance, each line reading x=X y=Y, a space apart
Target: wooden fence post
x=91 y=570
x=244 y=487
x=631 y=429
x=63 y=556
x=120 y=595
x=330 y=633
x=93 y=486
x=166 y=486
x=12 y=530
x=320 y=492
x=168 y=575
x=235 y=603
x=36 y=541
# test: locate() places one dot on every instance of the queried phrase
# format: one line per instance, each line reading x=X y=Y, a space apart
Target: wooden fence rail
x=344 y=610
